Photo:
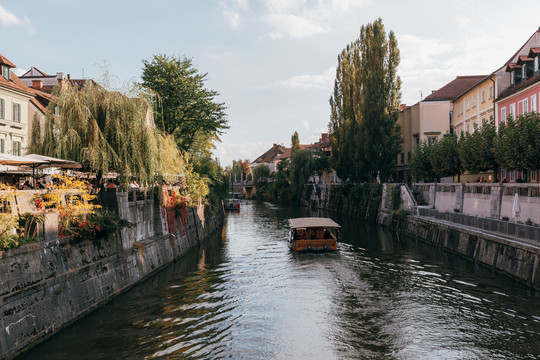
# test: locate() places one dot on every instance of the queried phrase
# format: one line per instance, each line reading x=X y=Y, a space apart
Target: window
x=533 y=103
x=490 y=91
x=503 y=114
x=2 y=109
x=6 y=72
x=503 y=174
x=483 y=121
x=474 y=100
x=3 y=146
x=483 y=95
x=512 y=111
x=468 y=130
x=524 y=71
x=512 y=77
x=16 y=148
x=512 y=176
x=536 y=63
x=17 y=113
x=533 y=174
x=468 y=107
x=525 y=108
x=431 y=140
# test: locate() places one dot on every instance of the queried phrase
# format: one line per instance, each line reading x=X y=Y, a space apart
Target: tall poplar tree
x=295 y=143
x=364 y=107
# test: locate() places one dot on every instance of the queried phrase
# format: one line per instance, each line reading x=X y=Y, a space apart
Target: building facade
x=475 y=106
x=15 y=107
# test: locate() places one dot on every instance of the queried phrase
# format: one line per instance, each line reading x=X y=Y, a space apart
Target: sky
x=272 y=61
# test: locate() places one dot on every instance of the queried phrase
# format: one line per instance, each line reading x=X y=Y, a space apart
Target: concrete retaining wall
x=485 y=200
x=45 y=287
x=518 y=260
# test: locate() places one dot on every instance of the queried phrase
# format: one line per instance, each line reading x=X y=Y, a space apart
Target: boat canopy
x=313 y=222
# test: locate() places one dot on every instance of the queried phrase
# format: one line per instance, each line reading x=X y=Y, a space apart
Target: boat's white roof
x=313 y=222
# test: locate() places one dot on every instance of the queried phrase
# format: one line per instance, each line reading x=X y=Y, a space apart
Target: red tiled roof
x=15 y=84
x=522 y=59
x=5 y=61
x=403 y=107
x=512 y=66
x=455 y=87
x=287 y=153
x=271 y=154
x=37 y=104
x=522 y=46
x=534 y=51
x=514 y=89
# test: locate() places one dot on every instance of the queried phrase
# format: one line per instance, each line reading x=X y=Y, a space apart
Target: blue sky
x=272 y=61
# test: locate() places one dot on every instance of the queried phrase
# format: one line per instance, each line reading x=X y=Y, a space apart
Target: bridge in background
x=243 y=189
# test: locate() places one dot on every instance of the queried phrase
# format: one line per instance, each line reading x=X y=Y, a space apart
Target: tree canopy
x=364 y=107
x=102 y=130
x=184 y=107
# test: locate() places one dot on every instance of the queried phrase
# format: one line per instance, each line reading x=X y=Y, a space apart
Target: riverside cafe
x=16 y=170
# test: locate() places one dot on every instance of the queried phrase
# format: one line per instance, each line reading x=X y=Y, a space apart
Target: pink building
x=521 y=97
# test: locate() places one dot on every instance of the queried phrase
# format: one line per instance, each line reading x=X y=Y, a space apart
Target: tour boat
x=313 y=234
x=232 y=205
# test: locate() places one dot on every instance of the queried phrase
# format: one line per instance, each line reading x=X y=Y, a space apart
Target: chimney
x=37 y=84
x=59 y=76
x=69 y=76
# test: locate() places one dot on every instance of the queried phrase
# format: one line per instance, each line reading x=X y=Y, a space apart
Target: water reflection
x=245 y=295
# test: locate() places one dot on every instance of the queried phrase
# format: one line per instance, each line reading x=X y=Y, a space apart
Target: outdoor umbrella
x=516 y=209
x=43 y=162
x=49 y=161
x=7 y=159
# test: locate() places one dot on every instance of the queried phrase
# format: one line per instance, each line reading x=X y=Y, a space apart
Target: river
x=245 y=295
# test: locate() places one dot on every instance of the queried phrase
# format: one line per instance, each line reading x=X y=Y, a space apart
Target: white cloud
x=293 y=26
x=463 y=21
x=232 y=17
x=7 y=18
x=231 y=11
x=321 y=81
x=301 y=18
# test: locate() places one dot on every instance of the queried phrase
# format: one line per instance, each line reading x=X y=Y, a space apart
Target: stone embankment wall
x=517 y=256
x=518 y=260
x=327 y=197
x=45 y=287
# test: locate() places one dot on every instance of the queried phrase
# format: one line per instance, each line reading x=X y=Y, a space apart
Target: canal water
x=245 y=295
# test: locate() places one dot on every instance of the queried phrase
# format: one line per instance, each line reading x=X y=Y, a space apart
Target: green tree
x=444 y=157
x=300 y=169
x=295 y=143
x=102 y=130
x=420 y=164
x=477 y=150
x=518 y=144
x=364 y=107
x=184 y=108
x=261 y=173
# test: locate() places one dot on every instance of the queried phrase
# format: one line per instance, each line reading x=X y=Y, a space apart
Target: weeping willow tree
x=104 y=131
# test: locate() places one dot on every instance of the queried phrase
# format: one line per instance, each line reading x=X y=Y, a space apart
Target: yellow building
x=474 y=106
x=429 y=120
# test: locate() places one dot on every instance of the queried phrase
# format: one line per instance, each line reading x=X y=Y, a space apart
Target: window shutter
x=2 y=109
x=3 y=146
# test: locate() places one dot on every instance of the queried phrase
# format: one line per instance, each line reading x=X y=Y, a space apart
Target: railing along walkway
x=527 y=234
